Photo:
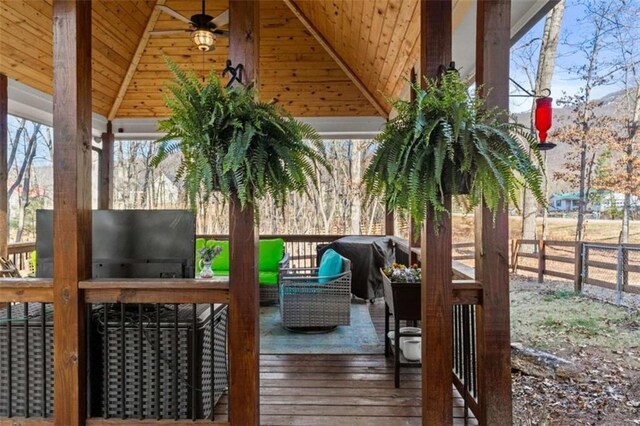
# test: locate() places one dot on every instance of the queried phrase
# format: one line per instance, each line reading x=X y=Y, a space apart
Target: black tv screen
x=129 y=244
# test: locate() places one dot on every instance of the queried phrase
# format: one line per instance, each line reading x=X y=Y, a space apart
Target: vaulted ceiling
x=318 y=58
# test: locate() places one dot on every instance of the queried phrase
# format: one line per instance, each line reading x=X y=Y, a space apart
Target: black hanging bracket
x=235 y=73
x=545 y=93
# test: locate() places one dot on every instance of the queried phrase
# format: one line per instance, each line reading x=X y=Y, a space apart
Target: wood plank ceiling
x=377 y=40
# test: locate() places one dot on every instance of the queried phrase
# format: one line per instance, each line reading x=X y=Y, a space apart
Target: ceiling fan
x=204 y=28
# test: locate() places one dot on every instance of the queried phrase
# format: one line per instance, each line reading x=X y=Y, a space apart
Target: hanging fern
x=234 y=144
x=444 y=141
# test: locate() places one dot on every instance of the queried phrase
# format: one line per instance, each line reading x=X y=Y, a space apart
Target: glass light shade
x=544 y=117
x=204 y=39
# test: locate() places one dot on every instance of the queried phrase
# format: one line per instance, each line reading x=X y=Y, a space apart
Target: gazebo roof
x=334 y=63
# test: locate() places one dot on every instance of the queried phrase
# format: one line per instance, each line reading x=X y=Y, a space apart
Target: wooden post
x=542 y=262
x=244 y=341
x=437 y=307
x=105 y=195
x=4 y=137
x=492 y=237
x=389 y=223
x=71 y=203
x=415 y=237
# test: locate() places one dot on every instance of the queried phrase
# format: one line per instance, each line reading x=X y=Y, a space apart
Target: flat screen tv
x=129 y=244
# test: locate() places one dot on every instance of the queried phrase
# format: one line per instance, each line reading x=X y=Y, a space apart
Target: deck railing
x=467 y=295
x=149 y=385
x=20 y=254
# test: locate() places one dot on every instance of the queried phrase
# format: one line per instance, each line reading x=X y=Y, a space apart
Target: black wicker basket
x=26 y=370
x=166 y=378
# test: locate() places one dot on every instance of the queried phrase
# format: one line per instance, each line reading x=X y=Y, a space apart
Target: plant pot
x=412 y=349
x=462 y=185
x=206 y=271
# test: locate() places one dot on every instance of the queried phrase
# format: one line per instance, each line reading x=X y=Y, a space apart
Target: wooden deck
x=348 y=390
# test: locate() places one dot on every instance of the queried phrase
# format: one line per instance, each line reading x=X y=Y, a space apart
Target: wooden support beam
x=389 y=222
x=4 y=141
x=492 y=233
x=244 y=326
x=437 y=303
x=71 y=203
x=382 y=109
x=135 y=60
x=105 y=191
x=415 y=236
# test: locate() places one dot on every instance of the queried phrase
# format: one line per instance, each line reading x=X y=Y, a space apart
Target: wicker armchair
x=308 y=305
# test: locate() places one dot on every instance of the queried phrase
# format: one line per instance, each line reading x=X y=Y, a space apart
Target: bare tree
x=546 y=65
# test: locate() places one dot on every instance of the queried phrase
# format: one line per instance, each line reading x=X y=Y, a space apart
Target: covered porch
x=99 y=74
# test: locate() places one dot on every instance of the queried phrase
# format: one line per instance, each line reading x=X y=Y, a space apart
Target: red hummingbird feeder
x=544 y=119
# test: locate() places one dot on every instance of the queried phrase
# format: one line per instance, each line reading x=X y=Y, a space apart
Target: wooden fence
x=612 y=266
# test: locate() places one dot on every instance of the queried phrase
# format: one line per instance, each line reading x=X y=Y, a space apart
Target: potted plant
x=447 y=142
x=404 y=283
x=207 y=254
x=234 y=144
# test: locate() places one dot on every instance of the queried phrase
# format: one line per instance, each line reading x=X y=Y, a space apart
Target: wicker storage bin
x=166 y=379
x=26 y=371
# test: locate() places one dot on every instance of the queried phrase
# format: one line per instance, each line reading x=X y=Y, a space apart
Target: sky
x=574 y=28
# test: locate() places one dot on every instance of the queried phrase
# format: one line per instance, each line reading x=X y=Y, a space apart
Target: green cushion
x=270 y=253
x=268 y=278
x=221 y=262
x=330 y=266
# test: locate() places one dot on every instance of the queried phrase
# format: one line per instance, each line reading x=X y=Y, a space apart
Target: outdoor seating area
x=141 y=316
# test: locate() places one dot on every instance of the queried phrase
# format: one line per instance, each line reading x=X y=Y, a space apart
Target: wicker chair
x=308 y=305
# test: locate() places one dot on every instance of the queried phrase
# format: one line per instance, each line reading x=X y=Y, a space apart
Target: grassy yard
x=603 y=340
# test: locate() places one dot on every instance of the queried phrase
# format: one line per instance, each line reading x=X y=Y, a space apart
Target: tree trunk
x=582 y=202
x=356 y=178
x=544 y=74
x=633 y=131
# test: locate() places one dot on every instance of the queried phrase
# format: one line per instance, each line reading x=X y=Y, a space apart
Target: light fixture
x=204 y=39
x=544 y=119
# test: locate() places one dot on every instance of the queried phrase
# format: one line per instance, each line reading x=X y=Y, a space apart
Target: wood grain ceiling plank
x=336 y=57
x=398 y=40
x=390 y=25
x=133 y=65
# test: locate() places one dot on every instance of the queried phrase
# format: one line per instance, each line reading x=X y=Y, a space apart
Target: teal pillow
x=270 y=254
x=330 y=266
x=221 y=262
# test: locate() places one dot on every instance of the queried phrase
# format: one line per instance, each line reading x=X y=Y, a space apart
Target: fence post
x=514 y=256
x=619 y=278
x=625 y=268
x=579 y=256
x=541 y=261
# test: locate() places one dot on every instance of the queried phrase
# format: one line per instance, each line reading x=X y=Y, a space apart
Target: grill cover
x=367 y=256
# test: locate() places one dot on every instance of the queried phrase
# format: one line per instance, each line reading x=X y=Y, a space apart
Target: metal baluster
x=213 y=361
x=26 y=359
x=9 y=365
x=467 y=357
x=474 y=354
x=140 y=365
x=194 y=348
x=105 y=360
x=123 y=377
x=175 y=362
x=43 y=342
x=157 y=361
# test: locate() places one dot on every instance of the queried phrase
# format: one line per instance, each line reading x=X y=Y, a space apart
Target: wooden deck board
x=349 y=390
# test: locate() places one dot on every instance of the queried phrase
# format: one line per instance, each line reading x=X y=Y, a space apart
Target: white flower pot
x=412 y=349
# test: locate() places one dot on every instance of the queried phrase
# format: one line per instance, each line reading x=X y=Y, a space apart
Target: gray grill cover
x=367 y=256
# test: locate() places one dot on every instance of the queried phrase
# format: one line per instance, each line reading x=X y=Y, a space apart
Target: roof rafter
x=382 y=110
x=135 y=60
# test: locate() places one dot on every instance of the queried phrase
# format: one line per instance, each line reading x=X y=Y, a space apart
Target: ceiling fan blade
x=221 y=33
x=221 y=20
x=175 y=14
x=168 y=32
